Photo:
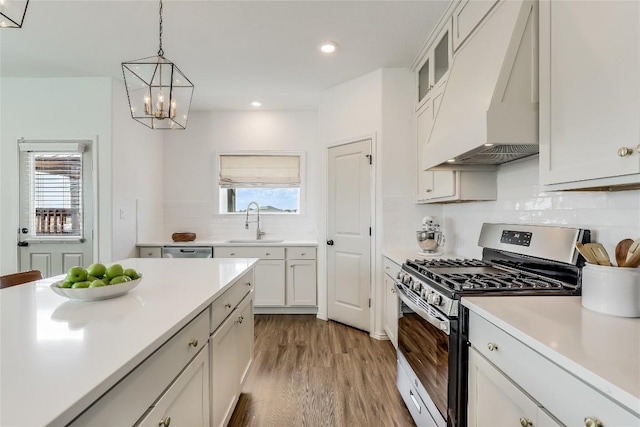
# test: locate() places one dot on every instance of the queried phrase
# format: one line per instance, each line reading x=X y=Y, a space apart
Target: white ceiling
x=233 y=51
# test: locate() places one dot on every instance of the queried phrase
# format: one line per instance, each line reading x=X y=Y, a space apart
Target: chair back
x=19 y=278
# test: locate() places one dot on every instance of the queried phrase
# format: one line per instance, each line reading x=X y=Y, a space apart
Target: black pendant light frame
x=146 y=81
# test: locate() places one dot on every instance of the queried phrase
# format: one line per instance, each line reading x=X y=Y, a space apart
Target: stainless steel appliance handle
x=187 y=251
x=442 y=324
x=415 y=402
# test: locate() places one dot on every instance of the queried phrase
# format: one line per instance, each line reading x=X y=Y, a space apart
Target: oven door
x=423 y=342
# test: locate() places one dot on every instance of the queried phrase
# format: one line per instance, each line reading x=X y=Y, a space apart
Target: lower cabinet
x=496 y=401
x=391 y=270
x=231 y=356
x=301 y=282
x=269 y=282
x=186 y=402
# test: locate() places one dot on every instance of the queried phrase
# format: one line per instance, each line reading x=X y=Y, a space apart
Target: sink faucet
x=257 y=221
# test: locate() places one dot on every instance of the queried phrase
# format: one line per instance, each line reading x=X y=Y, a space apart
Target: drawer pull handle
x=165 y=422
x=415 y=402
x=492 y=346
x=233 y=253
x=302 y=254
x=193 y=342
x=592 y=422
x=240 y=319
x=525 y=422
x=227 y=305
x=267 y=254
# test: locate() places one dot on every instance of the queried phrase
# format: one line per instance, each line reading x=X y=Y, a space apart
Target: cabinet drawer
x=126 y=402
x=565 y=396
x=269 y=252
x=301 y=252
x=390 y=267
x=225 y=304
x=150 y=252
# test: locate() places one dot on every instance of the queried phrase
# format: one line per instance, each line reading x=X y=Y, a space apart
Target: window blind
x=241 y=171
x=52 y=196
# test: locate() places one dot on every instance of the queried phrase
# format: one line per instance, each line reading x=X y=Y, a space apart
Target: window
x=272 y=181
x=51 y=190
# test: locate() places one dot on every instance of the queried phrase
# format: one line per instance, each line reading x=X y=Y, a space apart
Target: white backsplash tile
x=611 y=216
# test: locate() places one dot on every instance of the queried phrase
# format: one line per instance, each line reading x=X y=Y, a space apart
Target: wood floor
x=308 y=372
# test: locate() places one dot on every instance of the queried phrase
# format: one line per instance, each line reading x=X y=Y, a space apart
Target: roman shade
x=270 y=171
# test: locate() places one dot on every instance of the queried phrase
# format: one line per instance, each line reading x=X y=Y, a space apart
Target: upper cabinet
x=589 y=94
x=434 y=68
x=466 y=17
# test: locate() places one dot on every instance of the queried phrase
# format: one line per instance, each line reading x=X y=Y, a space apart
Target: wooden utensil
x=599 y=252
x=633 y=255
x=622 y=248
x=586 y=253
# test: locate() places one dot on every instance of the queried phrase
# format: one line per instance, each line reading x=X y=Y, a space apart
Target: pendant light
x=159 y=93
x=12 y=13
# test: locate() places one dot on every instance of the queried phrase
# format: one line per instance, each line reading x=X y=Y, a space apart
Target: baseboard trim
x=285 y=310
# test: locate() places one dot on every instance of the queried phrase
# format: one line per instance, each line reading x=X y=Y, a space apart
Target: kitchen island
x=58 y=356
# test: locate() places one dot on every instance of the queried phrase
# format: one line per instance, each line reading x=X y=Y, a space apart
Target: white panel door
x=348 y=234
x=47 y=209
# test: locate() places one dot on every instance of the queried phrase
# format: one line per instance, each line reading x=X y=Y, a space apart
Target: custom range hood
x=489 y=109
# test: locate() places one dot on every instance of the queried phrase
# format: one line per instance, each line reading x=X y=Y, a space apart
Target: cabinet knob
x=193 y=342
x=227 y=305
x=638 y=148
x=248 y=283
x=525 y=422
x=240 y=319
x=625 y=151
x=428 y=190
x=492 y=346
x=267 y=254
x=165 y=422
x=393 y=290
x=592 y=422
x=303 y=253
x=232 y=253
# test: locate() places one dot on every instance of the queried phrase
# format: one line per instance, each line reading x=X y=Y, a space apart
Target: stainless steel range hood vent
x=489 y=109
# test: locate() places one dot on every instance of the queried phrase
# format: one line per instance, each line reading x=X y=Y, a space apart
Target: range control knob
x=434 y=299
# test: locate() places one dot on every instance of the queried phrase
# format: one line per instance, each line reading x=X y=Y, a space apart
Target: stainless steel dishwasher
x=187 y=252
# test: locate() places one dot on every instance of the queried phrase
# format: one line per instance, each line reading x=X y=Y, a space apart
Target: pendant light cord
x=160 y=51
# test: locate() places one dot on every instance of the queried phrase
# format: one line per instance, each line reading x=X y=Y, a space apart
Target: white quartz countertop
x=57 y=356
x=225 y=242
x=602 y=350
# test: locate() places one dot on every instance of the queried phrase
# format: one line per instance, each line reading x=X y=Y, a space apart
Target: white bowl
x=95 y=294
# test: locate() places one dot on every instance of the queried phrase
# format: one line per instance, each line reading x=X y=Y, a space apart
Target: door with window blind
x=56 y=206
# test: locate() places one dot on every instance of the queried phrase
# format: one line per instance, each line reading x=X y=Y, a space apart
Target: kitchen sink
x=254 y=241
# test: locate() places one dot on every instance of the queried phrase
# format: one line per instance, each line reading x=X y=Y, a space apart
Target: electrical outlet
x=121 y=213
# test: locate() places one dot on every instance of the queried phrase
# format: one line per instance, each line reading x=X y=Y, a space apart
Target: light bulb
x=328 y=47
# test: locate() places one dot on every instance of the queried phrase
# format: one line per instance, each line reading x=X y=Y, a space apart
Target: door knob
x=330 y=242
x=24 y=230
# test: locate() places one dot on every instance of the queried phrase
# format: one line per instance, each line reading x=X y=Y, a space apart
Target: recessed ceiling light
x=328 y=47
x=488 y=145
x=256 y=104
x=451 y=160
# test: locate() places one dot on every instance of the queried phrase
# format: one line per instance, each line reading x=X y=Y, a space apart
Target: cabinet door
x=224 y=372
x=149 y=252
x=186 y=401
x=589 y=90
x=269 y=283
x=244 y=337
x=391 y=311
x=301 y=282
x=493 y=399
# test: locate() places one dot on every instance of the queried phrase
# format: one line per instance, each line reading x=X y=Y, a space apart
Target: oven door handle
x=441 y=324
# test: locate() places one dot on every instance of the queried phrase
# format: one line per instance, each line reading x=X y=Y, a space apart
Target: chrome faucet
x=257 y=221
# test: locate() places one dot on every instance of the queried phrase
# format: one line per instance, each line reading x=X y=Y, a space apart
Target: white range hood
x=489 y=110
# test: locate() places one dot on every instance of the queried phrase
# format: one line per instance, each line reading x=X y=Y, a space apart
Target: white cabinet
x=456 y=186
x=563 y=396
x=285 y=277
x=224 y=372
x=186 y=402
x=232 y=347
x=149 y=252
x=434 y=67
x=466 y=17
x=589 y=93
x=391 y=270
x=494 y=400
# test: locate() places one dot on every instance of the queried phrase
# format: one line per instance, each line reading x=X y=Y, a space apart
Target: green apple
x=65 y=284
x=119 y=279
x=96 y=283
x=114 y=270
x=97 y=270
x=131 y=273
x=91 y=278
x=76 y=274
x=83 y=284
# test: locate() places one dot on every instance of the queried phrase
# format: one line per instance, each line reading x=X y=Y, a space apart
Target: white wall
x=137 y=177
x=612 y=216
x=190 y=196
x=58 y=108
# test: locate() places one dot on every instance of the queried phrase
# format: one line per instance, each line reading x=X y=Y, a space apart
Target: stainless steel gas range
x=433 y=326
